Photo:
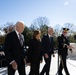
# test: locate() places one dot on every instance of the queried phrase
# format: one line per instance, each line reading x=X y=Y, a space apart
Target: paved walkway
x=71 y=63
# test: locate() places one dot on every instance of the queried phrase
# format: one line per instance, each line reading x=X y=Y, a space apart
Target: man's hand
x=46 y=55
x=14 y=65
x=71 y=50
x=53 y=55
x=25 y=61
x=64 y=45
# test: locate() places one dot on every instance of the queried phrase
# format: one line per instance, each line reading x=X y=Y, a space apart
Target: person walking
x=63 y=46
x=48 y=50
x=14 y=50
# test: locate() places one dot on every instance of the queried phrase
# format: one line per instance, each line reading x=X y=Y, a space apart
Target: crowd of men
x=39 y=48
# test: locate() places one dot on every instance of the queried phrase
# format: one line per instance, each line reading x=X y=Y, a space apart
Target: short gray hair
x=50 y=28
x=19 y=22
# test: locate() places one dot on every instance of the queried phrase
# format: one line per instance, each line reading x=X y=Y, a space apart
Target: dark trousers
x=63 y=65
x=46 y=67
x=34 y=68
x=21 y=70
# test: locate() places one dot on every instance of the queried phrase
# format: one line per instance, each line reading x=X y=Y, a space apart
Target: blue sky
x=57 y=11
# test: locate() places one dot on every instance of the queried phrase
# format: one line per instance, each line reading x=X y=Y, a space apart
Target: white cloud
x=66 y=3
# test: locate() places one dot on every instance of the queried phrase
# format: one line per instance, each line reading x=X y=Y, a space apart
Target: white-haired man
x=48 y=50
x=14 y=50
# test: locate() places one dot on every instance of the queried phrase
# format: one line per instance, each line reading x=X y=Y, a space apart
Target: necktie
x=50 y=39
x=21 y=39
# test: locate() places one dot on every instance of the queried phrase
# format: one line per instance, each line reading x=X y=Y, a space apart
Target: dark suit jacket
x=47 y=45
x=13 y=49
x=34 y=52
x=61 y=41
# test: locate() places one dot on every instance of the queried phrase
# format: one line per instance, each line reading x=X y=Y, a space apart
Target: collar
x=50 y=35
x=16 y=32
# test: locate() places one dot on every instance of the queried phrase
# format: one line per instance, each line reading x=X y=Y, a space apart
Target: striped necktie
x=21 y=39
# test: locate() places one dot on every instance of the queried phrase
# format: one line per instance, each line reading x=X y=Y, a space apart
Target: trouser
x=63 y=65
x=34 y=68
x=21 y=70
x=46 y=67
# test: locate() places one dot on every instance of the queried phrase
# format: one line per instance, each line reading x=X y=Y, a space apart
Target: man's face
x=20 y=27
x=51 y=31
x=64 y=33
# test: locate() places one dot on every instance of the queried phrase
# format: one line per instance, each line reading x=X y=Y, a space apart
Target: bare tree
x=57 y=30
x=39 y=22
x=71 y=27
x=8 y=27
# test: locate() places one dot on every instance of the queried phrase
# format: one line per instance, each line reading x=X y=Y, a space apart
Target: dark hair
x=35 y=33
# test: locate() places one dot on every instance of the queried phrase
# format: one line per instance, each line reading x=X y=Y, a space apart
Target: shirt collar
x=50 y=35
x=16 y=32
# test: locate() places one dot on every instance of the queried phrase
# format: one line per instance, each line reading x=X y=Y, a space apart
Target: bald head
x=50 y=31
x=20 y=26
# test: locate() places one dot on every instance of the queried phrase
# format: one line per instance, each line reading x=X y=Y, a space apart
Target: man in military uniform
x=63 y=46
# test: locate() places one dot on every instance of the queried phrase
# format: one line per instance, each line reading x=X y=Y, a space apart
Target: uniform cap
x=65 y=29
